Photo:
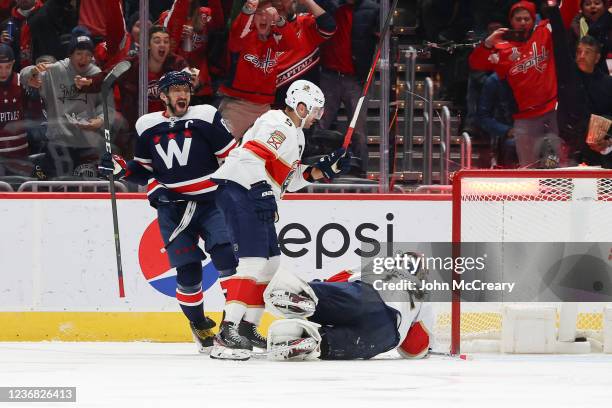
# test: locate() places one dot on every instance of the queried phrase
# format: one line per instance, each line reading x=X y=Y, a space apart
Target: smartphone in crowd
x=514 y=35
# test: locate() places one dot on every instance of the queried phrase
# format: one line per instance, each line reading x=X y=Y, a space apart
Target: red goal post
x=526 y=205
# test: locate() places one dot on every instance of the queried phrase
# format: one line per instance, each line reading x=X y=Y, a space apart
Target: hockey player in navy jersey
x=347 y=318
x=176 y=152
x=254 y=176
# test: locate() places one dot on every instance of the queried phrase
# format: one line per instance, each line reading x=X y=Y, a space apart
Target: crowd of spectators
x=243 y=54
x=535 y=77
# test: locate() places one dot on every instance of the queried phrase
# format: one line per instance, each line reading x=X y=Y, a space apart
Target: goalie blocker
x=342 y=318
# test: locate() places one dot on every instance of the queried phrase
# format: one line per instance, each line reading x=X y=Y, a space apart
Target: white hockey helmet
x=302 y=91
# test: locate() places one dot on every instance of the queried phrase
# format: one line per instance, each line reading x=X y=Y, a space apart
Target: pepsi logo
x=156 y=268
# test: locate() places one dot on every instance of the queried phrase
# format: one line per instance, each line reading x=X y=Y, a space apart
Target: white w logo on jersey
x=174 y=150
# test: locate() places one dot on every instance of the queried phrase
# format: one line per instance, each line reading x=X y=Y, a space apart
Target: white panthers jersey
x=271 y=150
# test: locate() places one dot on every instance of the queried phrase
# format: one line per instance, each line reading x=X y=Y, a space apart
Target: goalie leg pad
x=293 y=339
x=289 y=296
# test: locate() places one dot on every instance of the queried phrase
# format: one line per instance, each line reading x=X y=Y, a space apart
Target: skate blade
x=204 y=350
x=225 y=353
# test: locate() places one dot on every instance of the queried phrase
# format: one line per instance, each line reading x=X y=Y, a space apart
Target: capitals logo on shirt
x=153 y=90
x=156 y=268
x=265 y=64
x=537 y=59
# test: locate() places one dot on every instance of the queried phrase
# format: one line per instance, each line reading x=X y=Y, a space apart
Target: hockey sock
x=189 y=292
x=253 y=315
x=243 y=289
x=234 y=312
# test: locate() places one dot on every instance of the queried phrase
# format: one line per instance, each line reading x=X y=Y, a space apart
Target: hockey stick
x=443 y=354
x=112 y=76
x=383 y=34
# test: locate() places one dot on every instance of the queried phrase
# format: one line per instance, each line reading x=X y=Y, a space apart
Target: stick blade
x=118 y=70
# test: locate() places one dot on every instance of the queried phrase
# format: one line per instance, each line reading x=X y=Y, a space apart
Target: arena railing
x=6 y=187
x=93 y=186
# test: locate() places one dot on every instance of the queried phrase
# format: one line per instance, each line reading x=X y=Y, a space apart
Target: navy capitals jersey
x=175 y=156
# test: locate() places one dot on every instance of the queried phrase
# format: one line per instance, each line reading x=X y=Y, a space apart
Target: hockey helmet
x=174 y=78
x=302 y=91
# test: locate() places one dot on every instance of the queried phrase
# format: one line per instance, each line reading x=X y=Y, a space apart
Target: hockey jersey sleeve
x=116 y=35
x=300 y=179
x=220 y=138
x=285 y=37
x=217 y=20
x=325 y=26
x=140 y=169
x=488 y=59
x=174 y=22
x=479 y=59
x=241 y=27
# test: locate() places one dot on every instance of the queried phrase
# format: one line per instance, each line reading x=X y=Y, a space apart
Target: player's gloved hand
x=264 y=201
x=334 y=164
x=112 y=164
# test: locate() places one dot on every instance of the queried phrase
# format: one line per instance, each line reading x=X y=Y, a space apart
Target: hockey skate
x=249 y=331
x=230 y=345
x=203 y=335
x=299 y=305
x=295 y=349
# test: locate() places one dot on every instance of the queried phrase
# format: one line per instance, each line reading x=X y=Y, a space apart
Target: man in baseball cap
x=14 y=148
x=6 y=55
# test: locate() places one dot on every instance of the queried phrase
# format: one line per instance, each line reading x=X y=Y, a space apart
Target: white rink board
x=59 y=255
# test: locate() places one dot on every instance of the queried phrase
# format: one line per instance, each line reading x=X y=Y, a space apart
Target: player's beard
x=178 y=108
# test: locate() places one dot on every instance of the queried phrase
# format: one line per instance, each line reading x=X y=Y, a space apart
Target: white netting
x=560 y=208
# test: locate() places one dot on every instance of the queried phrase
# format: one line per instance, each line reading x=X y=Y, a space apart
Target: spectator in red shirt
x=257 y=35
x=21 y=42
x=118 y=40
x=14 y=148
x=92 y=15
x=312 y=28
x=524 y=58
x=345 y=62
x=39 y=26
x=189 y=26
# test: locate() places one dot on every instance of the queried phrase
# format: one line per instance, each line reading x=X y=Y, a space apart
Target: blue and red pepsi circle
x=156 y=268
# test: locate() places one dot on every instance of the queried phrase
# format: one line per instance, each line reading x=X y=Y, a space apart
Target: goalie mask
x=310 y=95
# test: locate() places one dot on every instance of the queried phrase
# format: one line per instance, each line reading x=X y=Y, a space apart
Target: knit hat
x=6 y=53
x=81 y=40
x=527 y=5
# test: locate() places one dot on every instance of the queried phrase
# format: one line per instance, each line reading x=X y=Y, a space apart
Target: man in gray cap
x=74 y=118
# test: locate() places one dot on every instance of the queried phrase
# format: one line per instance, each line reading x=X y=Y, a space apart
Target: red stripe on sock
x=246 y=291
x=190 y=298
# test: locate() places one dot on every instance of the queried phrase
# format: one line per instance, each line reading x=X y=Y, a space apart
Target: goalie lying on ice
x=343 y=318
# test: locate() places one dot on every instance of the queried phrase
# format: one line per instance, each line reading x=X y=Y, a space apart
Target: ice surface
x=172 y=375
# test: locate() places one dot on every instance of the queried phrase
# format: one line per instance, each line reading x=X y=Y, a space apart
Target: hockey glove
x=263 y=199
x=334 y=164
x=112 y=164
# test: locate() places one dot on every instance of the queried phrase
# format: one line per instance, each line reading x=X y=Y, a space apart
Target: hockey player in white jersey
x=176 y=151
x=254 y=176
x=347 y=318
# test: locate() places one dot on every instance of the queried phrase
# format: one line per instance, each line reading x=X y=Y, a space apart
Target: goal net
x=540 y=222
